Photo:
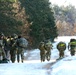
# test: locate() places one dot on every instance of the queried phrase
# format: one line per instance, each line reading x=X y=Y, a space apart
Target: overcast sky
x=63 y=2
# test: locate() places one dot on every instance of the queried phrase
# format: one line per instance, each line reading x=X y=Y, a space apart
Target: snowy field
x=33 y=66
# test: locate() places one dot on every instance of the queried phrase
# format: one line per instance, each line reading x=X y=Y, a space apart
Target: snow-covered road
x=32 y=64
x=27 y=68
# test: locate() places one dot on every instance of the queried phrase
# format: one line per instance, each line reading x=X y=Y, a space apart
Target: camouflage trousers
x=20 y=53
x=61 y=53
x=13 y=54
x=42 y=56
x=2 y=54
x=72 y=52
x=48 y=54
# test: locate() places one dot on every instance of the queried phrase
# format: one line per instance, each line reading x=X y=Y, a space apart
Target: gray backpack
x=22 y=42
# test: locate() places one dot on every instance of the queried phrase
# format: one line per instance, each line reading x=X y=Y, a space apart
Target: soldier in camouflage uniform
x=7 y=47
x=13 y=47
x=61 y=46
x=72 y=46
x=48 y=48
x=2 y=52
x=42 y=51
x=22 y=43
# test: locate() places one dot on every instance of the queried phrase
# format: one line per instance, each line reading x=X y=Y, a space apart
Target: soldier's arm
x=51 y=46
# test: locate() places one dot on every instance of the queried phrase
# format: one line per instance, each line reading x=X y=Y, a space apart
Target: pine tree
x=8 y=23
x=41 y=18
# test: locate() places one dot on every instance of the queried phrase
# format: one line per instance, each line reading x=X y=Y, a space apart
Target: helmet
x=14 y=35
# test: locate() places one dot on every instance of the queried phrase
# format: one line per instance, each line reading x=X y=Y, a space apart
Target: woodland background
x=36 y=20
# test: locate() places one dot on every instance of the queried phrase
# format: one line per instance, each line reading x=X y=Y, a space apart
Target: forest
x=36 y=20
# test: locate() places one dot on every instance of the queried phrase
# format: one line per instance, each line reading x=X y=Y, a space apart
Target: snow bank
x=66 y=66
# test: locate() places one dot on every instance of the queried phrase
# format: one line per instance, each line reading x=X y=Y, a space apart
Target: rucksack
x=4 y=61
x=48 y=45
x=22 y=42
x=61 y=45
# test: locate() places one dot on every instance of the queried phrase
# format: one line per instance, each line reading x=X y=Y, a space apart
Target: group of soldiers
x=46 y=47
x=45 y=50
x=14 y=45
x=10 y=48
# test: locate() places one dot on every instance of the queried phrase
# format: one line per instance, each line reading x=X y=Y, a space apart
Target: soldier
x=61 y=46
x=48 y=47
x=2 y=52
x=7 y=47
x=13 y=47
x=42 y=51
x=72 y=46
x=21 y=45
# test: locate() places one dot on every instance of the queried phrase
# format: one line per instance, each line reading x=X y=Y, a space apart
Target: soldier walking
x=48 y=48
x=2 y=52
x=21 y=45
x=61 y=46
x=72 y=46
x=13 y=47
x=42 y=51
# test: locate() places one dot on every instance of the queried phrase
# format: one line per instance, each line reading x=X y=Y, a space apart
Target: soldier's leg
x=18 y=56
x=41 y=56
x=22 y=56
x=8 y=55
x=0 y=55
x=72 y=52
x=48 y=55
x=4 y=54
x=12 y=53
x=62 y=54
x=13 y=58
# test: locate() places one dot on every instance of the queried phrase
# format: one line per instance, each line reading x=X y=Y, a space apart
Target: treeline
x=33 y=19
x=40 y=16
x=36 y=20
x=8 y=22
x=65 y=20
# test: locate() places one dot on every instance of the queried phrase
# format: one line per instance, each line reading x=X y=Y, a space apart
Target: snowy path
x=31 y=66
x=24 y=68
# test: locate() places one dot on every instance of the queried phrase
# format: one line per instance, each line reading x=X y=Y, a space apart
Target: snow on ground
x=29 y=67
x=23 y=69
x=66 y=66
x=33 y=66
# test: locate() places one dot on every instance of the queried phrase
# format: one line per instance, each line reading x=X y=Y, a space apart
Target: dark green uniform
x=72 y=46
x=61 y=46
